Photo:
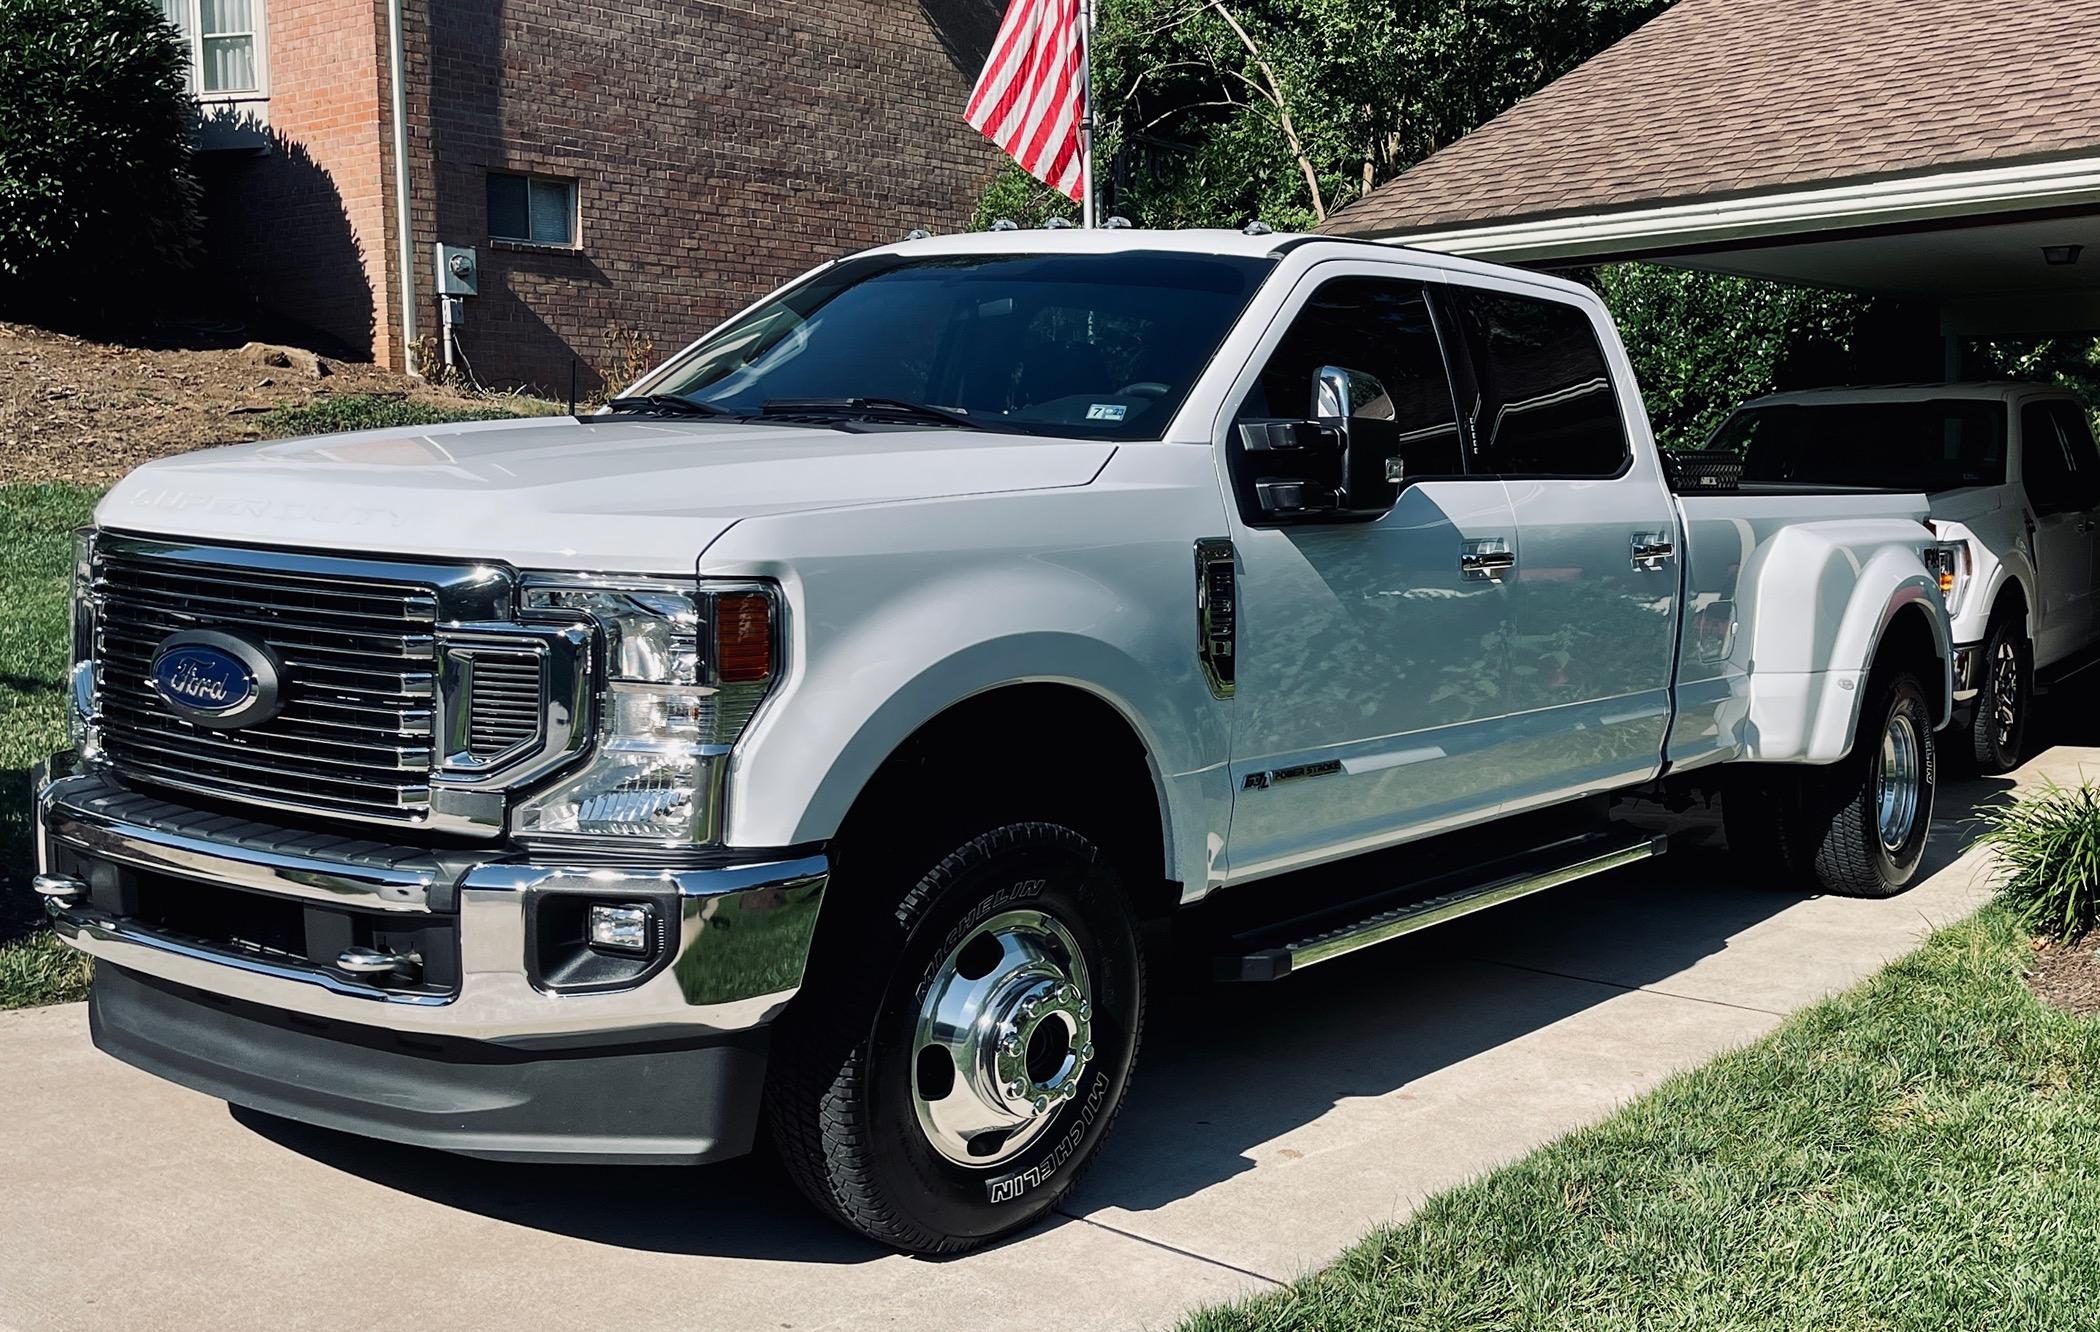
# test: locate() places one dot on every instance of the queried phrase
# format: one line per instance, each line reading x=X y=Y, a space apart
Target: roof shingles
x=1733 y=96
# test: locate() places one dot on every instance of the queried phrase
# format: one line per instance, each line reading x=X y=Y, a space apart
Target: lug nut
x=1016 y=1089
x=1086 y=1009
x=1042 y=1105
x=1010 y=1046
x=1086 y=1052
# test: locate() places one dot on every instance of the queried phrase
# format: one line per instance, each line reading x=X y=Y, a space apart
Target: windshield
x=1095 y=346
x=1940 y=444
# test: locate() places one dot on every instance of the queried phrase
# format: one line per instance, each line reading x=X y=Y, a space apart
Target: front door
x=1595 y=586
x=1371 y=663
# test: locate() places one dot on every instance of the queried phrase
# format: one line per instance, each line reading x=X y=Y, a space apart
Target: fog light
x=620 y=927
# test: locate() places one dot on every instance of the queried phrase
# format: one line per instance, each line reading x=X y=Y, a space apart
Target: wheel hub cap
x=1004 y=1033
x=1898 y=781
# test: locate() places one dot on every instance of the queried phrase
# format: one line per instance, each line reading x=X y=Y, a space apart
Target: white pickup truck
x=816 y=737
x=2014 y=483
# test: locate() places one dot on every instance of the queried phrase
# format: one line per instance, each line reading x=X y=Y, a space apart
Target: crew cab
x=837 y=732
x=2014 y=484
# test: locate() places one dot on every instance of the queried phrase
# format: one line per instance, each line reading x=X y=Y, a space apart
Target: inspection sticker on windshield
x=1106 y=411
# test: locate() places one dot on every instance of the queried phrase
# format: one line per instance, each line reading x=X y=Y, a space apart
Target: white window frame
x=192 y=32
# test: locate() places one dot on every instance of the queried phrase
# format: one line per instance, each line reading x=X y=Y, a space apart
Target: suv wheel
x=949 y=1070
x=2003 y=696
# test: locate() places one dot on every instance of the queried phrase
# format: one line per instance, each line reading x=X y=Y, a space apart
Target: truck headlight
x=687 y=664
x=1949 y=562
x=84 y=694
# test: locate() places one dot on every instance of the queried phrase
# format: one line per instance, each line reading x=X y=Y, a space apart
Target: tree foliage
x=1703 y=343
x=95 y=121
x=1215 y=111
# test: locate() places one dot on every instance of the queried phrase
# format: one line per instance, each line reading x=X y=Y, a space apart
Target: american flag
x=1032 y=94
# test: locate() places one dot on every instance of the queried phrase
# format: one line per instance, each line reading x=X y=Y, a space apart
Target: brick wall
x=300 y=228
x=720 y=147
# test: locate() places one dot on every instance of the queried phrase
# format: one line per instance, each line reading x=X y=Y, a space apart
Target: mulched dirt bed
x=2067 y=976
x=72 y=409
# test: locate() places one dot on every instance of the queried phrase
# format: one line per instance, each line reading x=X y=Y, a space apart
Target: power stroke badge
x=217 y=680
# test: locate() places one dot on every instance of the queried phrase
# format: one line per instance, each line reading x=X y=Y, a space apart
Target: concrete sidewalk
x=1269 y=1127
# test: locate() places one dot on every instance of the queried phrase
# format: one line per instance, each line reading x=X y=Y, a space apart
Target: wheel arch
x=1110 y=783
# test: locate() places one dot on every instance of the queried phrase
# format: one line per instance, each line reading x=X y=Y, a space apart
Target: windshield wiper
x=867 y=407
x=666 y=404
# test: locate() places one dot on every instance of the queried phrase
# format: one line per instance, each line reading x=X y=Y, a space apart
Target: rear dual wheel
x=1857 y=827
x=948 y=1072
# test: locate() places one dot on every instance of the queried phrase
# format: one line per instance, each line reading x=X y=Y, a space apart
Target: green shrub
x=2048 y=849
x=96 y=194
x=369 y=411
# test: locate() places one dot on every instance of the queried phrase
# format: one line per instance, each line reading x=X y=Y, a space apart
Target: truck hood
x=1967 y=504
x=617 y=494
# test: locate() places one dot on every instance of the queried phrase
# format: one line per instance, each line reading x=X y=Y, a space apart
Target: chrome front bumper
x=737 y=946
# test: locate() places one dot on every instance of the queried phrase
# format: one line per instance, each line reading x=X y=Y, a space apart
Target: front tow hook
x=362 y=961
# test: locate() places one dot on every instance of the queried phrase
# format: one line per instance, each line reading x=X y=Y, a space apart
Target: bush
x=2048 y=849
x=96 y=195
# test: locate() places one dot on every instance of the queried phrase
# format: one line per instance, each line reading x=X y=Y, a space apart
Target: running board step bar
x=1277 y=951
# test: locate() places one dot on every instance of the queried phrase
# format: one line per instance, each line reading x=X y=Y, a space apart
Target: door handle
x=1650 y=549
x=1485 y=557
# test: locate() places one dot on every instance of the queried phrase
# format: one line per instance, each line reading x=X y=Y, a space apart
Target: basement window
x=532 y=210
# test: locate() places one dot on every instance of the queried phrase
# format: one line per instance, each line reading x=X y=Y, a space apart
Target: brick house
x=621 y=168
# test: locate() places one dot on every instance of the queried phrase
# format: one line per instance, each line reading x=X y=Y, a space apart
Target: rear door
x=1595 y=588
x=2062 y=497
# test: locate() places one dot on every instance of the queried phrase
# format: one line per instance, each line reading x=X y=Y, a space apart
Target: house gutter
x=1895 y=201
x=404 y=225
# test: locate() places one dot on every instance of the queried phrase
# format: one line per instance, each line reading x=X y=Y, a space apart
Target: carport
x=1940 y=151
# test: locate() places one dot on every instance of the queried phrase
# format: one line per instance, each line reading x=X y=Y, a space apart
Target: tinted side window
x=2045 y=470
x=1381 y=327
x=2078 y=436
x=1546 y=405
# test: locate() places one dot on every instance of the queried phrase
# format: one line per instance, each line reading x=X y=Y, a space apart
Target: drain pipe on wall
x=404 y=225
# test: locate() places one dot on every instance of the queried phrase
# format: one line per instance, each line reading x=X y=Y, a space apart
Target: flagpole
x=1086 y=113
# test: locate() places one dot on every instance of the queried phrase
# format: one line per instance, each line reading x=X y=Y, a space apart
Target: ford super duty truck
x=2014 y=483
x=828 y=735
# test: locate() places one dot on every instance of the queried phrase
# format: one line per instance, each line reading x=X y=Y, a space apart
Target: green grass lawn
x=1922 y=1152
x=36 y=544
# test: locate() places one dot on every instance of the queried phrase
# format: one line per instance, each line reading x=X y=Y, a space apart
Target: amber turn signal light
x=743 y=637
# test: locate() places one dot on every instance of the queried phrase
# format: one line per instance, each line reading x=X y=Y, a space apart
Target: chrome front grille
x=504 y=706
x=360 y=656
x=407 y=692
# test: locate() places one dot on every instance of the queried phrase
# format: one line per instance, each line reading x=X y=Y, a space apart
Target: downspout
x=404 y=238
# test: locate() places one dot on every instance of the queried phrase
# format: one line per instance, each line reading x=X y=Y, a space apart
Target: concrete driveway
x=1268 y=1128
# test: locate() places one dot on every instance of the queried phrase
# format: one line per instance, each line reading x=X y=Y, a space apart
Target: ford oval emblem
x=216 y=680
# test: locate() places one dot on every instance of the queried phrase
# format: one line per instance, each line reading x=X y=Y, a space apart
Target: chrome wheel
x=2005 y=695
x=1897 y=782
x=1004 y=1032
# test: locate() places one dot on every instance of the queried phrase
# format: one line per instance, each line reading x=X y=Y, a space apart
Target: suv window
x=2078 y=439
x=2045 y=467
x=1546 y=405
x=1382 y=327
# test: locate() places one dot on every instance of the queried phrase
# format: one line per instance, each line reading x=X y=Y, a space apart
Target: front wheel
x=946 y=1074
x=1999 y=729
